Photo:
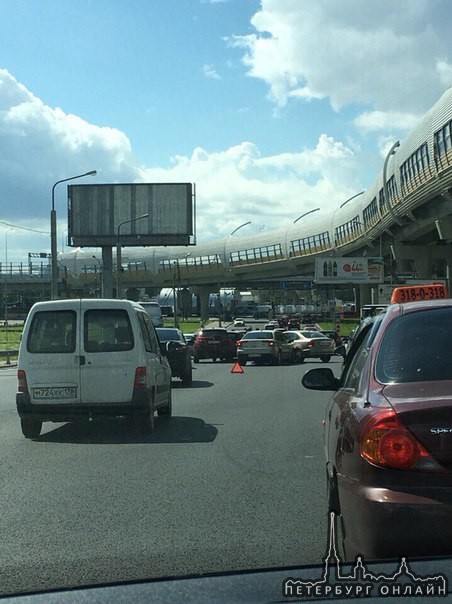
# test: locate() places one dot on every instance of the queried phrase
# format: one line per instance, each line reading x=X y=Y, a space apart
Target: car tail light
x=270 y=343
x=140 y=378
x=310 y=344
x=22 y=381
x=239 y=343
x=386 y=442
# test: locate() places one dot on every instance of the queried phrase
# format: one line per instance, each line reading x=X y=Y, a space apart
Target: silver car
x=265 y=346
x=310 y=345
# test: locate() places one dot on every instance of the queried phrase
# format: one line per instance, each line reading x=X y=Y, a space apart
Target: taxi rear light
x=22 y=381
x=386 y=442
x=140 y=378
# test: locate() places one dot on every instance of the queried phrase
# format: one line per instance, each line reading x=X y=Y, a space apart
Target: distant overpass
x=405 y=217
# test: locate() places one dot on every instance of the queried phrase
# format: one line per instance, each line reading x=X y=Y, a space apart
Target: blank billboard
x=100 y=214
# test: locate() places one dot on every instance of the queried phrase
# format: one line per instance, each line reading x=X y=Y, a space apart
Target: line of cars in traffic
x=270 y=345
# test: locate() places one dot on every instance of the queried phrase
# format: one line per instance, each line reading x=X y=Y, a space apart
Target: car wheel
x=214 y=359
x=31 y=428
x=298 y=357
x=145 y=422
x=167 y=410
x=326 y=359
x=187 y=378
x=195 y=358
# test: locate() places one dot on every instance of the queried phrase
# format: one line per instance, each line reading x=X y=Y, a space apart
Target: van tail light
x=140 y=378
x=22 y=381
x=386 y=442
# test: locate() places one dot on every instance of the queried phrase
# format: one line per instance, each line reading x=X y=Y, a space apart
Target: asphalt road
x=236 y=480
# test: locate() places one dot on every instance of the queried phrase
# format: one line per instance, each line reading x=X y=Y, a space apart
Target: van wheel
x=145 y=422
x=31 y=428
x=166 y=411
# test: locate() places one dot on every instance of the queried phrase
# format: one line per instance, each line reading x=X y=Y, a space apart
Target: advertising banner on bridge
x=349 y=270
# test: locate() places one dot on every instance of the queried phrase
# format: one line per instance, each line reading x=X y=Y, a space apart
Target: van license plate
x=55 y=392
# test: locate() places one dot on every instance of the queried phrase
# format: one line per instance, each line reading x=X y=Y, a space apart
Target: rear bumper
x=66 y=412
x=213 y=353
x=386 y=523
x=255 y=356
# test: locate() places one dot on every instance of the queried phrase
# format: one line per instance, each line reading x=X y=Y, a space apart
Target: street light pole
x=286 y=242
x=226 y=265
x=6 y=248
x=53 y=234
x=118 y=250
x=332 y=232
x=101 y=276
x=391 y=151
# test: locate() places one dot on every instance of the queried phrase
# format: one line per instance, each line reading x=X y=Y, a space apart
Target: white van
x=90 y=358
x=155 y=312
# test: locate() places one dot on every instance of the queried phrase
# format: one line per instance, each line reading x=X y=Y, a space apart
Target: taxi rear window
x=416 y=347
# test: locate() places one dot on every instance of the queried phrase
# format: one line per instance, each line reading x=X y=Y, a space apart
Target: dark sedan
x=388 y=431
x=178 y=353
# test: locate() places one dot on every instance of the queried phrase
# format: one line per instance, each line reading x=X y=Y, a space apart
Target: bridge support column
x=203 y=294
x=107 y=271
x=365 y=295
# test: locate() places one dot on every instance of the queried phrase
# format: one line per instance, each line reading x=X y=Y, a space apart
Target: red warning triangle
x=237 y=368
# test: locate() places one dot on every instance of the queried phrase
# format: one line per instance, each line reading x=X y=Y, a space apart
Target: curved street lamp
x=286 y=242
x=226 y=262
x=391 y=151
x=118 y=250
x=53 y=233
x=333 y=238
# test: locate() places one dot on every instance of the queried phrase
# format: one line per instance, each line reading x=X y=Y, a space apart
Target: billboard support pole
x=118 y=252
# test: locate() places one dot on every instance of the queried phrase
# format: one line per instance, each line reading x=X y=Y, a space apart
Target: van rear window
x=52 y=331
x=107 y=330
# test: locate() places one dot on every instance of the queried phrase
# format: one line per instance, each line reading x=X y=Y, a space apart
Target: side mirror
x=320 y=379
x=170 y=346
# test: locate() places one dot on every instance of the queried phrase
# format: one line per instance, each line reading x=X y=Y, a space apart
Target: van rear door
x=52 y=358
x=109 y=356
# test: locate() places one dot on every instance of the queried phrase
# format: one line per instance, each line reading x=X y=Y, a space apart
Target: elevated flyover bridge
x=405 y=217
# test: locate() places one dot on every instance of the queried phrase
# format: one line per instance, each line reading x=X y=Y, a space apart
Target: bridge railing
x=24 y=270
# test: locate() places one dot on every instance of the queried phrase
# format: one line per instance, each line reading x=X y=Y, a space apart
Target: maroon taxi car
x=388 y=431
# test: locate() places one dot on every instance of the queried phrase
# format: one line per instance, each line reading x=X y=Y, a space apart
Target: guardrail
x=8 y=354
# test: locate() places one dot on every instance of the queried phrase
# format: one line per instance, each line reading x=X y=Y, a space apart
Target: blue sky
x=271 y=107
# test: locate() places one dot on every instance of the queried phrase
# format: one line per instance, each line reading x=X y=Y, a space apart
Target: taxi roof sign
x=417 y=293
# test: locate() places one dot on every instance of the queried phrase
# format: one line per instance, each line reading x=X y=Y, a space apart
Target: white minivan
x=90 y=358
x=155 y=312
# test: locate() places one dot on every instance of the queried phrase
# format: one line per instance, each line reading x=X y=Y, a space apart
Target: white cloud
x=373 y=121
x=239 y=184
x=210 y=72
x=46 y=144
x=389 y=56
